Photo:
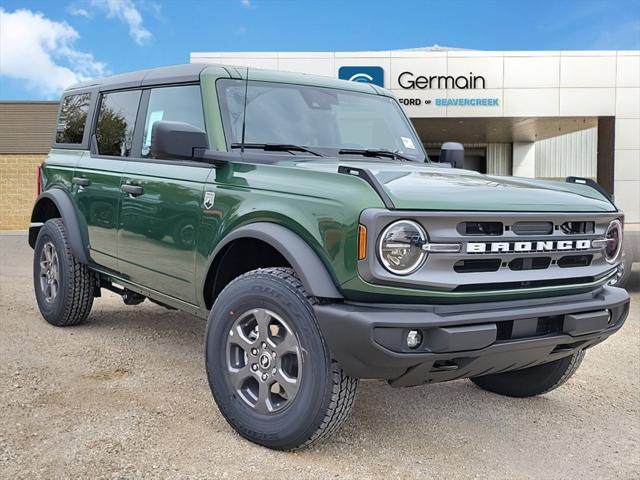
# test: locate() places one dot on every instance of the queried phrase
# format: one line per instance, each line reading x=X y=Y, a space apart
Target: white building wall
x=627 y=140
x=499 y=159
x=524 y=159
x=571 y=154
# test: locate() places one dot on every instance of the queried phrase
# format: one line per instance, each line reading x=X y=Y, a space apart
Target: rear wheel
x=532 y=381
x=64 y=287
x=269 y=369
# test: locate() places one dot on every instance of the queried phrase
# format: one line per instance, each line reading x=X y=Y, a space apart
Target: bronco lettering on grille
x=517 y=247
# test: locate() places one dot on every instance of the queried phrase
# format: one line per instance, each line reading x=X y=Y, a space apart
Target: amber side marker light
x=362 y=242
x=38 y=180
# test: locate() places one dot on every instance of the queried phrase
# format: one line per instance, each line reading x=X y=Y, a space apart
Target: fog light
x=414 y=339
x=610 y=317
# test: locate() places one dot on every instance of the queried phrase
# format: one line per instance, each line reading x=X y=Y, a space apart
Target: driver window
x=178 y=104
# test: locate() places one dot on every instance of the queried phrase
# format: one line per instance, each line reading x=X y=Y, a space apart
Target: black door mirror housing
x=176 y=140
x=453 y=154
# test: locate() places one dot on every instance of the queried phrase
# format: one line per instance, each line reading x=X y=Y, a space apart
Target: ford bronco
x=302 y=218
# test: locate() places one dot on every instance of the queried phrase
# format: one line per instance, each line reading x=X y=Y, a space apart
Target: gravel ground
x=126 y=396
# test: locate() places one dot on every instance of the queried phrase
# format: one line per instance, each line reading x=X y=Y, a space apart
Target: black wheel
x=269 y=369
x=64 y=287
x=532 y=381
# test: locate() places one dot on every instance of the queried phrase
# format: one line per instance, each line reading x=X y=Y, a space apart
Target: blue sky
x=49 y=44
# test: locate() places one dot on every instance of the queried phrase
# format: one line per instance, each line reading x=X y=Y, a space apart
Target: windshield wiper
x=276 y=147
x=370 y=152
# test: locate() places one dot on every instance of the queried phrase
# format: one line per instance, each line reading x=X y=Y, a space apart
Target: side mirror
x=176 y=140
x=453 y=154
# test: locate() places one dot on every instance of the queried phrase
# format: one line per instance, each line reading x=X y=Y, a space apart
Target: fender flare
x=64 y=204
x=312 y=272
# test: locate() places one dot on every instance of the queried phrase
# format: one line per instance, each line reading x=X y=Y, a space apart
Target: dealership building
x=547 y=114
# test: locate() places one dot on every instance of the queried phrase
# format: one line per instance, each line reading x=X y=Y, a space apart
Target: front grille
x=530 y=263
x=499 y=250
x=576 y=228
x=532 y=228
x=575 y=261
x=480 y=228
x=477 y=265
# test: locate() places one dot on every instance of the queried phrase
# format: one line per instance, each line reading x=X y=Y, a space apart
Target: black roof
x=189 y=72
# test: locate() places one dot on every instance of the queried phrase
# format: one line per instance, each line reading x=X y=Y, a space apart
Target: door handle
x=133 y=190
x=81 y=181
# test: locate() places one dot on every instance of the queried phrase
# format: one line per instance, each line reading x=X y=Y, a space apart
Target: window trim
x=136 y=148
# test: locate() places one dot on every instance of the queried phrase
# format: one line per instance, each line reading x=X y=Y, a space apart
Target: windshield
x=325 y=119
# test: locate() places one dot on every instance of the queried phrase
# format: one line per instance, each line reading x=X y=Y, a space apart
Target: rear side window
x=116 y=122
x=72 y=118
x=177 y=104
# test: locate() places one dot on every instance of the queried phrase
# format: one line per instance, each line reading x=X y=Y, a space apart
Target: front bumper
x=468 y=340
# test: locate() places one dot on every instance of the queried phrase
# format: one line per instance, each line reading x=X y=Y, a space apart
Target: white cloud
x=245 y=3
x=125 y=11
x=41 y=52
x=77 y=11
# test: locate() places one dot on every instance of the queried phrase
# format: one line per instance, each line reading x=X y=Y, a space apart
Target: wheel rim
x=49 y=272
x=264 y=361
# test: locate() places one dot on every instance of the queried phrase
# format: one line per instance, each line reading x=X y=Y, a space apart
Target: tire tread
x=79 y=291
x=343 y=387
x=524 y=383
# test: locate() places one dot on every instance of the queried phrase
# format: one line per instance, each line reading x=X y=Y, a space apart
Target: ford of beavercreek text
x=302 y=218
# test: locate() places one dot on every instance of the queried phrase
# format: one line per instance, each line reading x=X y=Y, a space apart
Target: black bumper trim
x=353 y=334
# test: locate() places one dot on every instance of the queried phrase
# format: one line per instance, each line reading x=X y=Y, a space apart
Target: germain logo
x=522 y=247
x=363 y=74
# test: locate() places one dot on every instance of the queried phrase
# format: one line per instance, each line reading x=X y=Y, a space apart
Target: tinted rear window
x=116 y=121
x=72 y=118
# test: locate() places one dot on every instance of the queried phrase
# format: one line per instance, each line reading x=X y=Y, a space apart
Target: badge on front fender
x=209 y=199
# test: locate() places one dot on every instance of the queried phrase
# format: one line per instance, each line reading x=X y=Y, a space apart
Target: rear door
x=161 y=201
x=97 y=177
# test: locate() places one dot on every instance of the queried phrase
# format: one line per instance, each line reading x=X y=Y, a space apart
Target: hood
x=428 y=187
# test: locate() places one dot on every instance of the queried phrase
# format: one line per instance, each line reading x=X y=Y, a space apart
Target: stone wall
x=17 y=189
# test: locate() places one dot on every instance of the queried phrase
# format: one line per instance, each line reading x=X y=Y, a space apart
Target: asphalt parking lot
x=125 y=396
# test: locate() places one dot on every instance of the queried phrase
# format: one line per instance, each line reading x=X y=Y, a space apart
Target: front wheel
x=532 y=381
x=269 y=369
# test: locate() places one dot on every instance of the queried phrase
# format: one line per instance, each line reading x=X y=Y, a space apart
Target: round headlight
x=613 y=238
x=400 y=247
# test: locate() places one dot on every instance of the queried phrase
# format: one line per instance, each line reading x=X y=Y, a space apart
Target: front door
x=162 y=201
x=97 y=193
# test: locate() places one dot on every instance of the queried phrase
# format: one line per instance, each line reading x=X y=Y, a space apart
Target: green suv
x=301 y=216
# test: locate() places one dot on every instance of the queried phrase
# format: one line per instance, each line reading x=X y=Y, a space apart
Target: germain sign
x=409 y=81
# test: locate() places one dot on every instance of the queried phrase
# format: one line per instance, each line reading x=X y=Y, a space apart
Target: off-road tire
x=532 y=381
x=76 y=285
x=325 y=396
